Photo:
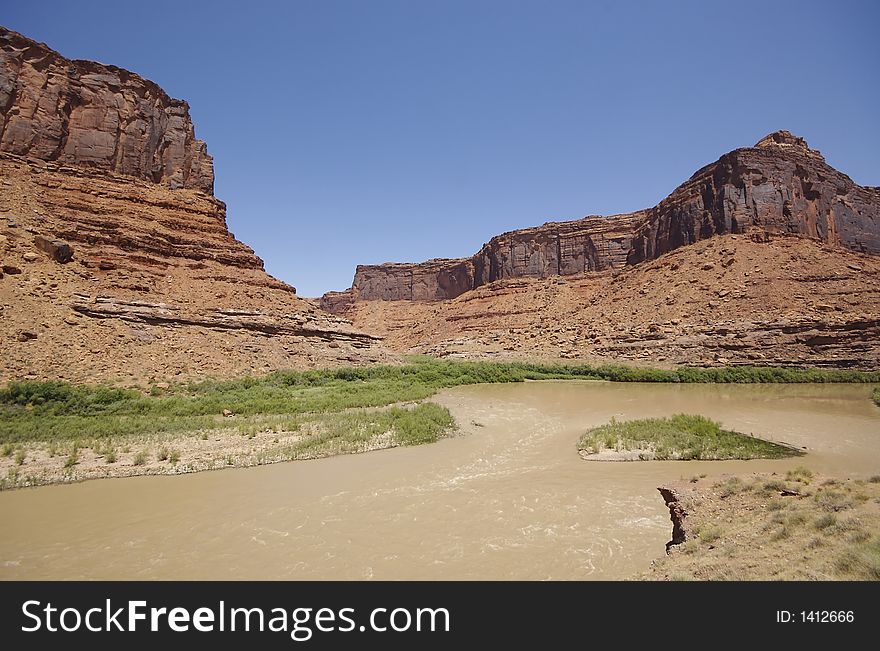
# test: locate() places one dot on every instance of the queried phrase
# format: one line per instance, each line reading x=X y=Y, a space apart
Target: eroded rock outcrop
x=677 y=514
x=553 y=249
x=116 y=256
x=95 y=115
x=779 y=186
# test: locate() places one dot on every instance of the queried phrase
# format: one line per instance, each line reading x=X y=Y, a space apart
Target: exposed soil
x=157 y=288
x=772 y=527
x=726 y=300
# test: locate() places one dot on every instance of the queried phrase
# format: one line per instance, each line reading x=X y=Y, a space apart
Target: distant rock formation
x=556 y=248
x=94 y=115
x=778 y=186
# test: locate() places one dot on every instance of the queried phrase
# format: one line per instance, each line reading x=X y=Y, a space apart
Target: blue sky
x=363 y=132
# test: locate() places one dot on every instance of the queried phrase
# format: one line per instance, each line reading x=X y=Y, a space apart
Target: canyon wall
x=554 y=249
x=94 y=115
x=116 y=263
x=779 y=186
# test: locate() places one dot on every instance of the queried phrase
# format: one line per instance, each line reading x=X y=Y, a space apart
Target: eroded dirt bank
x=770 y=526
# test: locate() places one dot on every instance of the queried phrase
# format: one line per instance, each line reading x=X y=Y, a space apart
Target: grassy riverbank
x=683 y=437
x=58 y=411
x=797 y=526
x=55 y=431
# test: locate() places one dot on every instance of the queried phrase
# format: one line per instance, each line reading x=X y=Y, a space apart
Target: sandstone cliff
x=783 y=300
x=94 y=115
x=554 y=249
x=779 y=186
x=115 y=259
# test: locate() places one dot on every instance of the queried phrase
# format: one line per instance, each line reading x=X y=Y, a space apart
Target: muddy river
x=508 y=498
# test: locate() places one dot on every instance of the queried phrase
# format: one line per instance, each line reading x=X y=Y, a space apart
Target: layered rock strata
x=554 y=249
x=779 y=186
x=125 y=269
x=94 y=115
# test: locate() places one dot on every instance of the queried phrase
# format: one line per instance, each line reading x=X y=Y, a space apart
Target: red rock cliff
x=554 y=249
x=778 y=186
x=95 y=115
x=116 y=263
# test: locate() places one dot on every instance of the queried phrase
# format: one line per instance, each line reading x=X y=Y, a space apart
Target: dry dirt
x=726 y=300
x=157 y=289
x=775 y=527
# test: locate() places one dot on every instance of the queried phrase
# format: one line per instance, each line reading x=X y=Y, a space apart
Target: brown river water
x=508 y=498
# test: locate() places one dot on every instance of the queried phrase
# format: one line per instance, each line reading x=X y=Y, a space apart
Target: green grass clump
x=861 y=561
x=356 y=431
x=825 y=521
x=58 y=411
x=877 y=397
x=140 y=458
x=72 y=458
x=730 y=486
x=680 y=437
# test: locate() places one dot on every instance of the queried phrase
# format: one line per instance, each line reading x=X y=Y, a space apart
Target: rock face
x=557 y=249
x=58 y=249
x=426 y=281
x=778 y=300
x=779 y=186
x=116 y=256
x=554 y=249
x=94 y=115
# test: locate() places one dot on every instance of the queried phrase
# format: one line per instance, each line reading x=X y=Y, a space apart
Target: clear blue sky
x=371 y=131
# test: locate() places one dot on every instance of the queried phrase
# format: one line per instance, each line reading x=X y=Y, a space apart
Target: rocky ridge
x=121 y=267
x=782 y=301
x=779 y=186
x=593 y=243
x=95 y=115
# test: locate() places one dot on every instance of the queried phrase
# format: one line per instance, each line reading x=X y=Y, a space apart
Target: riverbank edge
x=252 y=451
x=747 y=527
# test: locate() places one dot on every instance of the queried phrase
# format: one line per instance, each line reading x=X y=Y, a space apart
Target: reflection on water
x=508 y=499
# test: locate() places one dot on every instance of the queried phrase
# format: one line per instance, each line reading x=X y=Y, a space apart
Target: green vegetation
x=877 y=397
x=51 y=411
x=295 y=415
x=72 y=458
x=355 y=431
x=681 y=437
x=730 y=486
